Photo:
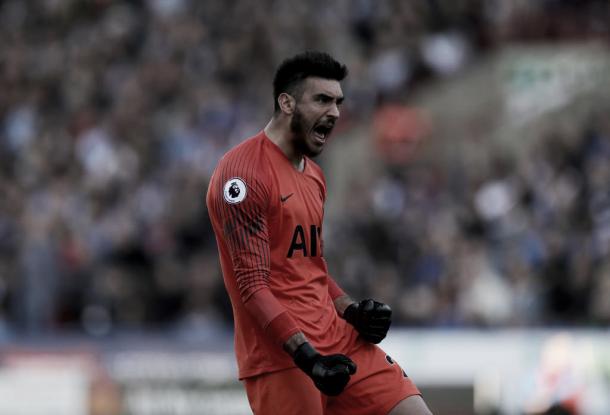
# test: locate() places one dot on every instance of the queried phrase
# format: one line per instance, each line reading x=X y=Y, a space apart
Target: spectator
x=113 y=114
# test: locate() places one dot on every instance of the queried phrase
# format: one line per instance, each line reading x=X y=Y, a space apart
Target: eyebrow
x=339 y=99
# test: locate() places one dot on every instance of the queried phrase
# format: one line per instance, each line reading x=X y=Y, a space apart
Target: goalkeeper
x=302 y=345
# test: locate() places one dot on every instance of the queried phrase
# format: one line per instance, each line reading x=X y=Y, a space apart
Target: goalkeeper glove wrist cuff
x=305 y=357
x=350 y=313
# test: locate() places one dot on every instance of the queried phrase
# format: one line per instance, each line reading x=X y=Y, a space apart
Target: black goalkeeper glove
x=370 y=318
x=330 y=373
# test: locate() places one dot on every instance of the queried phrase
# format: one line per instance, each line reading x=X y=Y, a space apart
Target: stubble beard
x=300 y=131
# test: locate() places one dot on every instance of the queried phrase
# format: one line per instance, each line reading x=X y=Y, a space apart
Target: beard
x=300 y=129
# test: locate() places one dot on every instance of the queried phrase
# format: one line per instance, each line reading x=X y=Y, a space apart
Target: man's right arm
x=245 y=231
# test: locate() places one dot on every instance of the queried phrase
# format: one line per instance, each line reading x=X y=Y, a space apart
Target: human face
x=315 y=115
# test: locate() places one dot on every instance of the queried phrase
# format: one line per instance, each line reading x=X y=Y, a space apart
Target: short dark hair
x=293 y=71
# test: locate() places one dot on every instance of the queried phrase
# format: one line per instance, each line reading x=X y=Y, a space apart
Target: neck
x=279 y=133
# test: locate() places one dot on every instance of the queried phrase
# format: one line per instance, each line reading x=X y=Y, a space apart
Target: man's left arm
x=339 y=297
x=370 y=318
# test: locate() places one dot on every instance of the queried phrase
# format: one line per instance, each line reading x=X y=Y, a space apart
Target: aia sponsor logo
x=305 y=241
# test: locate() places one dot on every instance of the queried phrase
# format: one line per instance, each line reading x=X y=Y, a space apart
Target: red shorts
x=378 y=386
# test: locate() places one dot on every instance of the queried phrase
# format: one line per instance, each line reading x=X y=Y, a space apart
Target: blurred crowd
x=525 y=242
x=114 y=113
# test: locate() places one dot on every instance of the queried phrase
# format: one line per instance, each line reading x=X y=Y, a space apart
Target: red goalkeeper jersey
x=267 y=217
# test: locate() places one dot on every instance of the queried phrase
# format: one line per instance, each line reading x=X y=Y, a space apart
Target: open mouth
x=322 y=131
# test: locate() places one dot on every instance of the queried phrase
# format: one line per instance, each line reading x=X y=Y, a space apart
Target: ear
x=286 y=102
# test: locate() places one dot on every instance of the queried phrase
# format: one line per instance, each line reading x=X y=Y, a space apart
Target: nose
x=334 y=111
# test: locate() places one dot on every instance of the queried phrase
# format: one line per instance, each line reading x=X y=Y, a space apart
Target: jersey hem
x=263 y=370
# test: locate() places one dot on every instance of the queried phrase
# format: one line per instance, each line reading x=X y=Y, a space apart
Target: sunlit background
x=468 y=187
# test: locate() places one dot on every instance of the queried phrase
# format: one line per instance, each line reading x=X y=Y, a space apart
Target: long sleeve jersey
x=267 y=217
